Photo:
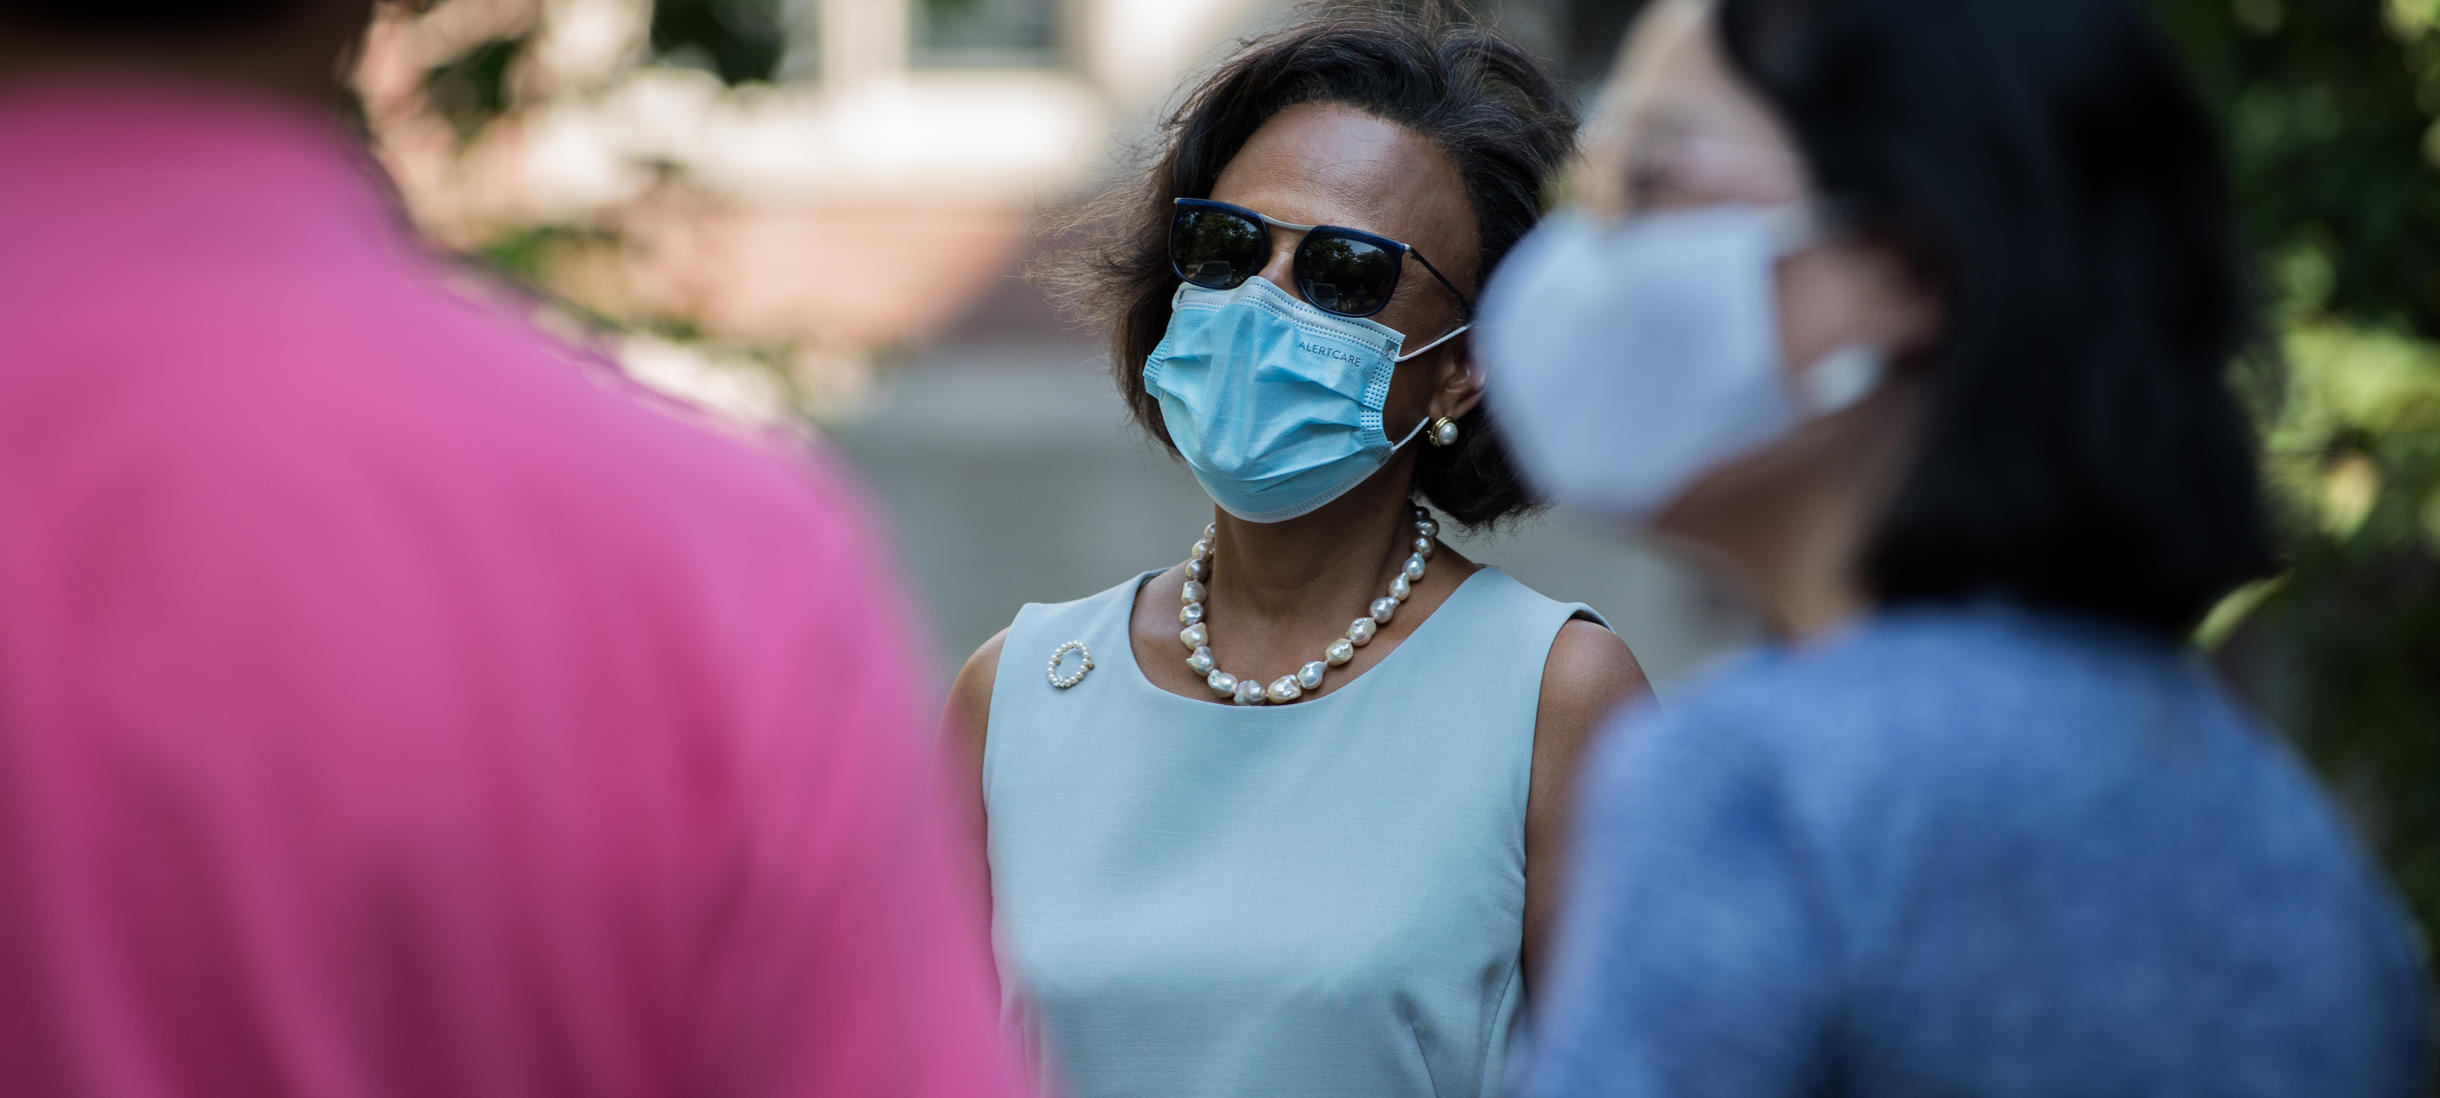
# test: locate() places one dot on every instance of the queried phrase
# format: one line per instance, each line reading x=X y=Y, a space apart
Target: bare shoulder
x=968 y=722
x=1589 y=672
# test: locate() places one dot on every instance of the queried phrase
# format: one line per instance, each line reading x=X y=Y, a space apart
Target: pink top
x=392 y=703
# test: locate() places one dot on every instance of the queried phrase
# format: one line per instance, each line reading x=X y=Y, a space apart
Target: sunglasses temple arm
x=1444 y=279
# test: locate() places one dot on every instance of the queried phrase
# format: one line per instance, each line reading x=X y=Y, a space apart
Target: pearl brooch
x=1084 y=665
x=1288 y=688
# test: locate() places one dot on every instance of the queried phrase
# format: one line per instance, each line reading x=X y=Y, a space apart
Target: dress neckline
x=1136 y=679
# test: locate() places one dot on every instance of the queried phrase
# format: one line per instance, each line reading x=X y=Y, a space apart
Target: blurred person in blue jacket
x=1916 y=318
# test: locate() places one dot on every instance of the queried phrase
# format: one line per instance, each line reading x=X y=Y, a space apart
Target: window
x=989 y=33
x=741 y=40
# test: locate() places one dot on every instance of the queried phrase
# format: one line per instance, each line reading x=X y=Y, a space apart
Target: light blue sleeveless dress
x=1324 y=898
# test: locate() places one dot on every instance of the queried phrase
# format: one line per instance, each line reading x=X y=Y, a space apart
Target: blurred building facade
x=797 y=187
x=804 y=185
x=822 y=208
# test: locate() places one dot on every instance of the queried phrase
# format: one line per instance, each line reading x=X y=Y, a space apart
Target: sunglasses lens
x=1215 y=249
x=1343 y=275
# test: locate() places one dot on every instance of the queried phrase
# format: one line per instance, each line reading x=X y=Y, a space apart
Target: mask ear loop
x=1453 y=333
x=1839 y=380
x=1795 y=227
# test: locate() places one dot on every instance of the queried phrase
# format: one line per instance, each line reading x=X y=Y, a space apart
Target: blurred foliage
x=742 y=41
x=2331 y=110
x=471 y=89
x=523 y=253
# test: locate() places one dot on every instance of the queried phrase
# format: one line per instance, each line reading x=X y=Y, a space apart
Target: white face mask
x=1627 y=362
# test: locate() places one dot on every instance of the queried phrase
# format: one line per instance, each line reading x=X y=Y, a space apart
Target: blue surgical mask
x=1274 y=404
x=1626 y=362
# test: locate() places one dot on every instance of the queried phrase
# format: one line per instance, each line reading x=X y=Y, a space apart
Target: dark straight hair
x=1483 y=102
x=2047 y=170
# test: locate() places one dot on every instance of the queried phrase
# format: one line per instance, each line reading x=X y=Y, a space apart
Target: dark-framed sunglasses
x=1344 y=271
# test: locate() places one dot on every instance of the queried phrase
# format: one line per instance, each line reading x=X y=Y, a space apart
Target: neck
x=1805 y=574
x=1799 y=552
x=1319 y=564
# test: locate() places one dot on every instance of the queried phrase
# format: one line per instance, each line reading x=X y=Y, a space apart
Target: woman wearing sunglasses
x=1918 y=318
x=1281 y=818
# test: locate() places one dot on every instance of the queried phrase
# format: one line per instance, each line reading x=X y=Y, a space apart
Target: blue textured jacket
x=1972 y=850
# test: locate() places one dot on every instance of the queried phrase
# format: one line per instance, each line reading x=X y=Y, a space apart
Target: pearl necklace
x=1197 y=634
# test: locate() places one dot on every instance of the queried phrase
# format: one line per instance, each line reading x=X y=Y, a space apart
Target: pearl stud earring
x=1444 y=432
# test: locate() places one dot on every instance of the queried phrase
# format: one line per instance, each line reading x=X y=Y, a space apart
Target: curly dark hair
x=1485 y=103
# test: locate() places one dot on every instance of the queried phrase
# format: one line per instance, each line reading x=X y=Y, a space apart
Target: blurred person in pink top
x=390 y=702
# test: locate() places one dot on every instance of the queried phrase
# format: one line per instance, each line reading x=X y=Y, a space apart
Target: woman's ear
x=1854 y=291
x=1920 y=317
x=1458 y=389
